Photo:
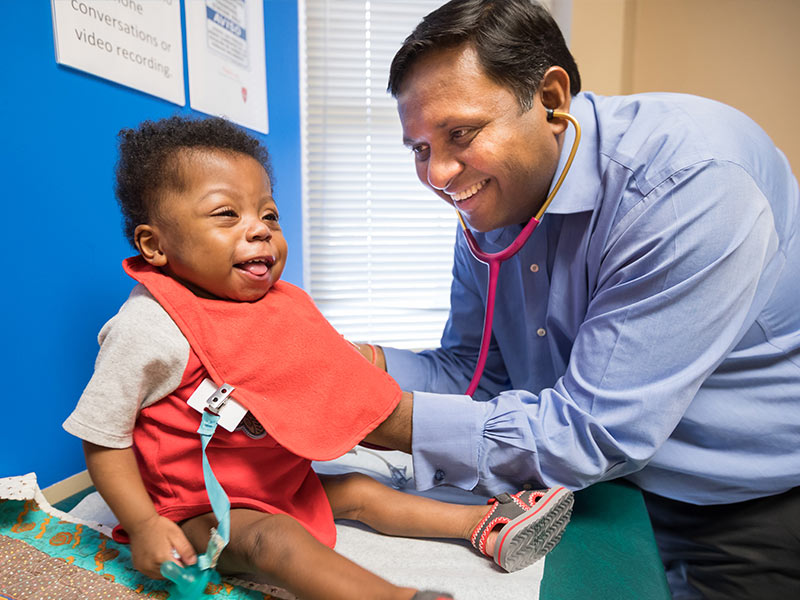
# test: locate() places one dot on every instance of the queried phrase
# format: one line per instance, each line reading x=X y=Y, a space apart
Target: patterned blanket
x=74 y=541
x=47 y=555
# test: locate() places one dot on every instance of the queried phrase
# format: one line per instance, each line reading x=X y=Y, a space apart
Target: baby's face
x=220 y=236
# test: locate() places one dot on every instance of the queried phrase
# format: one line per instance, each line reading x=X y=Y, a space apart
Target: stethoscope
x=495 y=259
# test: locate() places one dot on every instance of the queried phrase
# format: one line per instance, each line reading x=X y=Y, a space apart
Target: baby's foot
x=520 y=529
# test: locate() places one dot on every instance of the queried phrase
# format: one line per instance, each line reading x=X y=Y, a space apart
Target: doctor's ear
x=148 y=244
x=554 y=94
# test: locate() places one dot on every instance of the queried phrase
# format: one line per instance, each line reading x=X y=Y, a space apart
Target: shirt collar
x=578 y=193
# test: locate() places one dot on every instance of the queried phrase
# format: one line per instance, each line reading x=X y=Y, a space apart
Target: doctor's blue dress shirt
x=649 y=329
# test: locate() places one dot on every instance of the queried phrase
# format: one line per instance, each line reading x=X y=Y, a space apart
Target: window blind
x=378 y=246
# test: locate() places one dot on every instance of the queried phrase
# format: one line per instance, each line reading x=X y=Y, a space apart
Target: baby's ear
x=147 y=242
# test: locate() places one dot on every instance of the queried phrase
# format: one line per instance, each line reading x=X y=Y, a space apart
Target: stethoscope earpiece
x=550 y=112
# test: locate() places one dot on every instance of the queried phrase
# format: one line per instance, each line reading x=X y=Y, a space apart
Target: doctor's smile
x=460 y=197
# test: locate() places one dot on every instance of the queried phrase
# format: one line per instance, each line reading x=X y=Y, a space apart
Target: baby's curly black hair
x=148 y=160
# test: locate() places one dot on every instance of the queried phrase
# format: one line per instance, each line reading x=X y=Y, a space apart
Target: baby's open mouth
x=257 y=266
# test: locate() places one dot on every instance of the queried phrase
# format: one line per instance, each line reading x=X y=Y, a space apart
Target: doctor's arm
x=674 y=288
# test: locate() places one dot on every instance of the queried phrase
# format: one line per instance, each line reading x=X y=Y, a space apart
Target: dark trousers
x=730 y=551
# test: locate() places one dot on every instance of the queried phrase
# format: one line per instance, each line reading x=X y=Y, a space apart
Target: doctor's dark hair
x=150 y=161
x=516 y=42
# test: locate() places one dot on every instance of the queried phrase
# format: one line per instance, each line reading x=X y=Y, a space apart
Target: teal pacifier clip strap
x=191 y=581
x=221 y=535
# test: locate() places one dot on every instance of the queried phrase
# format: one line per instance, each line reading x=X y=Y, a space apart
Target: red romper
x=310 y=396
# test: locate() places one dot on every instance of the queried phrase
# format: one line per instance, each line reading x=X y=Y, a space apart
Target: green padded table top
x=608 y=549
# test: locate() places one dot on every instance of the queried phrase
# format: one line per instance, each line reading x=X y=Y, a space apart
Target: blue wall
x=62 y=242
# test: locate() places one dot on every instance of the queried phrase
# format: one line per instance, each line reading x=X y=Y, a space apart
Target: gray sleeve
x=142 y=358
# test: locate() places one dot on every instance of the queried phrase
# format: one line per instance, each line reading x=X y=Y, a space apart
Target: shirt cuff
x=446 y=434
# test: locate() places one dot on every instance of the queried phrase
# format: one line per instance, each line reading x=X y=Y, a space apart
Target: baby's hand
x=153 y=542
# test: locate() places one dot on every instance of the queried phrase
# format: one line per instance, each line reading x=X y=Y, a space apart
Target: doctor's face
x=472 y=144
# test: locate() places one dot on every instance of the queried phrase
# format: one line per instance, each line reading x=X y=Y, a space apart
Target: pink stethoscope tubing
x=495 y=259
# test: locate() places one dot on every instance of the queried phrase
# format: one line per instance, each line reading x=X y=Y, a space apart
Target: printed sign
x=227 y=30
x=134 y=43
x=227 y=66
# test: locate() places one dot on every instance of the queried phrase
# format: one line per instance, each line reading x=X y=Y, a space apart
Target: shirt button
x=541 y=332
x=439 y=475
x=534 y=268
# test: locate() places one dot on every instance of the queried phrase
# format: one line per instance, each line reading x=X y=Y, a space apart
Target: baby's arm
x=153 y=537
x=142 y=358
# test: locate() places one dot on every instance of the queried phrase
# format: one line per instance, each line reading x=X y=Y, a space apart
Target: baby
x=197 y=201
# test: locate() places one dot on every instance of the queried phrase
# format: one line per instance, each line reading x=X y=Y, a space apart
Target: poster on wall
x=137 y=43
x=225 y=55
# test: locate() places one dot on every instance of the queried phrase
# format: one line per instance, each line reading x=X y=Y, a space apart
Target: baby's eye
x=271 y=217
x=225 y=212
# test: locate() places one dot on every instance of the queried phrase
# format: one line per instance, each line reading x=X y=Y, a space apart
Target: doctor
x=649 y=329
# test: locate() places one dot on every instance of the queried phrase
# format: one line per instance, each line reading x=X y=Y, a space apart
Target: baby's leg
x=360 y=498
x=278 y=547
x=516 y=530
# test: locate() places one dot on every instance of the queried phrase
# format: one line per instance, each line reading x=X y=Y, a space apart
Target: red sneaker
x=532 y=524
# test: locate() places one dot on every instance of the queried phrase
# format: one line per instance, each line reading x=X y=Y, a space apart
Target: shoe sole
x=534 y=533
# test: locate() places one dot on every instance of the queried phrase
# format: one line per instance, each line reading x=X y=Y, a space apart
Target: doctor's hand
x=152 y=543
x=373 y=354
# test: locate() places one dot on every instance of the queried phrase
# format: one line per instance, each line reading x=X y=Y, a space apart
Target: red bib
x=308 y=387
